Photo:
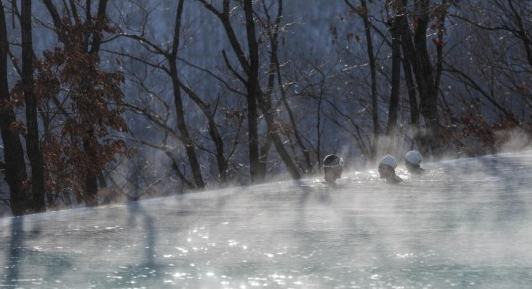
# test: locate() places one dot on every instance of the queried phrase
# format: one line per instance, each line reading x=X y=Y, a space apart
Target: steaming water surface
x=464 y=224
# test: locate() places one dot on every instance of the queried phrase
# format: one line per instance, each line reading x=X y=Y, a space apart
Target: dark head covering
x=332 y=160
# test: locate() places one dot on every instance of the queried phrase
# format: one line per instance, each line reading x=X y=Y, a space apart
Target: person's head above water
x=413 y=161
x=387 y=167
x=332 y=167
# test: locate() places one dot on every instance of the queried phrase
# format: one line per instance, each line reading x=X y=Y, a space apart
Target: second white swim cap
x=413 y=157
x=389 y=160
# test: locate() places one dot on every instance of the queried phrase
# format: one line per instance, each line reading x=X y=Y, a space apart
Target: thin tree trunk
x=91 y=179
x=522 y=32
x=214 y=133
x=439 y=47
x=178 y=102
x=216 y=137
x=254 y=97
x=252 y=85
x=429 y=96
x=396 y=75
x=275 y=66
x=183 y=130
x=91 y=141
x=297 y=135
x=221 y=161
x=285 y=156
x=255 y=93
x=373 y=71
x=276 y=139
x=318 y=128
x=252 y=92
x=416 y=52
x=412 y=97
x=264 y=153
x=409 y=63
x=32 y=140
x=264 y=103
x=15 y=168
x=273 y=134
x=46 y=133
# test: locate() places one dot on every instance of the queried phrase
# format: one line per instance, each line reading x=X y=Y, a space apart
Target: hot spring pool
x=464 y=224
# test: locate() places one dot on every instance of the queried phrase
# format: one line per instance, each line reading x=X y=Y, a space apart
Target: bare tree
x=33 y=147
x=416 y=51
x=273 y=31
x=15 y=167
x=180 y=114
x=363 y=12
x=255 y=97
x=395 y=24
x=209 y=110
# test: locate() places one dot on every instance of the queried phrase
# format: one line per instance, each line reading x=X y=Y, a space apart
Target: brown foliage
x=473 y=135
x=88 y=101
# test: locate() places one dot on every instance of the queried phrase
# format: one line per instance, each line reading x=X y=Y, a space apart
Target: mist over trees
x=110 y=100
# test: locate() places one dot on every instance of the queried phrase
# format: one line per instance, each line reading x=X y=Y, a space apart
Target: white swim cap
x=413 y=157
x=389 y=160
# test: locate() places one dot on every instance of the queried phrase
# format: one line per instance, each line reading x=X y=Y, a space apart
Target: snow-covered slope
x=465 y=224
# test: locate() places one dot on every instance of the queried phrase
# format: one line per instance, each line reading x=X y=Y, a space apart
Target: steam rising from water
x=465 y=224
